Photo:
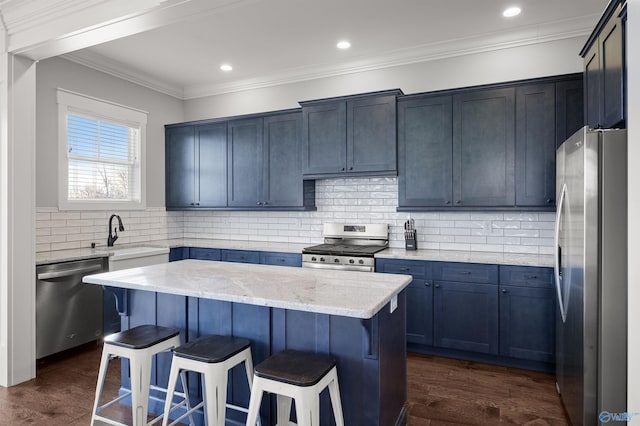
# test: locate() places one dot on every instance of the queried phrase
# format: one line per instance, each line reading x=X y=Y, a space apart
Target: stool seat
x=141 y=337
x=295 y=367
x=212 y=349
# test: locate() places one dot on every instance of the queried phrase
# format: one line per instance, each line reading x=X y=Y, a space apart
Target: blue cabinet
x=485 y=147
x=178 y=253
x=419 y=297
x=204 y=253
x=240 y=256
x=244 y=163
x=281 y=259
x=465 y=313
x=527 y=313
x=196 y=165
x=605 y=70
x=353 y=135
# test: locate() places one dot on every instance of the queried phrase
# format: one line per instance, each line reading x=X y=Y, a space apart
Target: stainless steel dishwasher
x=68 y=312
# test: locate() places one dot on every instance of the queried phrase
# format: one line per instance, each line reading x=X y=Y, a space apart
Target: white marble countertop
x=515 y=259
x=343 y=293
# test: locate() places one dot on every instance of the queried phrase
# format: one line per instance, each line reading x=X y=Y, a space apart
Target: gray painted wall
x=535 y=60
x=59 y=73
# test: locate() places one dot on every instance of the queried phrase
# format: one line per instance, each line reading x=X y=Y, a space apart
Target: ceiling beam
x=40 y=29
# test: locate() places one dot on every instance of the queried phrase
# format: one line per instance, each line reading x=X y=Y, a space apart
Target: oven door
x=360 y=268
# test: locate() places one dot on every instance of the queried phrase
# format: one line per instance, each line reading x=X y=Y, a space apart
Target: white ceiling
x=275 y=41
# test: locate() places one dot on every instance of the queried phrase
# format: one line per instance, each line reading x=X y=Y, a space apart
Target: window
x=102 y=147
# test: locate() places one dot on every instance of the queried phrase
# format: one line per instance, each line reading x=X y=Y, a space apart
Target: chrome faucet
x=113 y=237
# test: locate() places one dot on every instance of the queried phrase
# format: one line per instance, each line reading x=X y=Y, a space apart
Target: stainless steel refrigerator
x=591 y=274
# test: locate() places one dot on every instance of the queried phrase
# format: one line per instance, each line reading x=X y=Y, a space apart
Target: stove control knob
x=352 y=261
x=336 y=260
x=322 y=259
x=313 y=259
x=361 y=262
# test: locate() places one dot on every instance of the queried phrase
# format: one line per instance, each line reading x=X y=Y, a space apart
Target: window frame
x=100 y=109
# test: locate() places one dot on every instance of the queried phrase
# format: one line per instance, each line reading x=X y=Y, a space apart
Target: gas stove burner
x=347 y=247
x=344 y=249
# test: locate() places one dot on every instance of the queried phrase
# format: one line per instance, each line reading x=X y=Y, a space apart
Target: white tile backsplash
x=359 y=200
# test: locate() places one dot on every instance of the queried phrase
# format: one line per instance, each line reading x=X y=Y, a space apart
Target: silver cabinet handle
x=68 y=272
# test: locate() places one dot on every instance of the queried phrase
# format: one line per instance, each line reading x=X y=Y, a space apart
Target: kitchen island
x=360 y=318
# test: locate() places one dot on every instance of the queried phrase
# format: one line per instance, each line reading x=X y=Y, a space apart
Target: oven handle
x=338 y=267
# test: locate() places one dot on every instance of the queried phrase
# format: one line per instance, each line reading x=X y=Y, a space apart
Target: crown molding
x=117 y=69
x=535 y=34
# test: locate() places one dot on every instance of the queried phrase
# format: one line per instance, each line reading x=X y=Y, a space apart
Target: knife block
x=410 y=241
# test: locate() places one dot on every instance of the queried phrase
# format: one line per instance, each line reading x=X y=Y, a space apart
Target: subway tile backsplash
x=353 y=200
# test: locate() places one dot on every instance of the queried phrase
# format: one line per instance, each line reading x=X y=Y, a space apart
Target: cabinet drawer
x=526 y=276
x=241 y=256
x=417 y=269
x=281 y=259
x=466 y=272
x=204 y=253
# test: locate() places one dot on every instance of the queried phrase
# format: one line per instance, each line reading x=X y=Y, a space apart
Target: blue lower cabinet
x=241 y=256
x=178 y=253
x=420 y=312
x=527 y=313
x=204 y=253
x=465 y=316
x=110 y=315
x=281 y=259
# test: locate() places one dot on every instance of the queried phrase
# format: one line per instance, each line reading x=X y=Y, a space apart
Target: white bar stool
x=300 y=376
x=139 y=345
x=212 y=356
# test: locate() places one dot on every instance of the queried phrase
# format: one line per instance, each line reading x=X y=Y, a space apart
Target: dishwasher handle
x=69 y=272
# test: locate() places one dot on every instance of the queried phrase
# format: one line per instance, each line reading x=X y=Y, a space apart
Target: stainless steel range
x=347 y=247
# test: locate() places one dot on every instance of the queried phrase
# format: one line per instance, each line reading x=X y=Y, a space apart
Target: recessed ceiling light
x=511 y=12
x=343 y=44
x=226 y=67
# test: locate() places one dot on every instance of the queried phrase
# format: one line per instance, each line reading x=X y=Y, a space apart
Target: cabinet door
x=240 y=256
x=211 y=156
x=527 y=323
x=420 y=312
x=282 y=174
x=180 y=167
x=281 y=259
x=465 y=316
x=611 y=66
x=424 y=152
x=592 y=87
x=202 y=253
x=569 y=109
x=324 y=135
x=244 y=142
x=371 y=134
x=483 y=148
x=535 y=145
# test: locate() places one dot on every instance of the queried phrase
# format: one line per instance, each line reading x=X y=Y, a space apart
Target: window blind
x=103 y=159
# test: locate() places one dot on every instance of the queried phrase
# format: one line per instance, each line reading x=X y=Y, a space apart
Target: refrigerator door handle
x=558 y=253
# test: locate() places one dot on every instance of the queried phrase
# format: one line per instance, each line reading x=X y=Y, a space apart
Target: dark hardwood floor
x=441 y=391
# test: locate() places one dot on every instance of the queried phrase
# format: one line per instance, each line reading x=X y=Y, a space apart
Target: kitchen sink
x=116 y=253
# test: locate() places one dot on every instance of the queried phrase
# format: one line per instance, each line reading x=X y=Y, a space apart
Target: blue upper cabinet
x=535 y=145
x=484 y=148
x=195 y=165
x=247 y=163
x=350 y=135
x=425 y=151
x=604 y=70
x=244 y=141
x=281 y=165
